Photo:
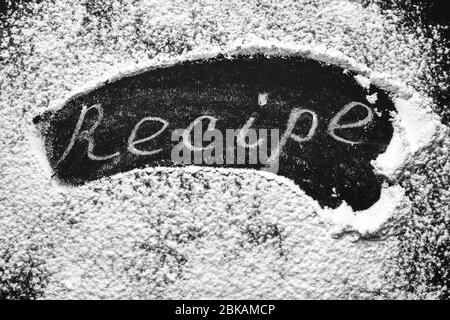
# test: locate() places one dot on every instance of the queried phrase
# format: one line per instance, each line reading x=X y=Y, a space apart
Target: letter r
x=87 y=135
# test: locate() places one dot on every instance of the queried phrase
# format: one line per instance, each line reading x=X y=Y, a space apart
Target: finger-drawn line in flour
x=132 y=142
x=334 y=124
x=87 y=135
x=329 y=131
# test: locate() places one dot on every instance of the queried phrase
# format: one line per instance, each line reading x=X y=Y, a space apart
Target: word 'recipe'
x=244 y=134
x=299 y=118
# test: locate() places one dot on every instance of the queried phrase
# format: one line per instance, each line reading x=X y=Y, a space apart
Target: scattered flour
x=416 y=126
x=160 y=233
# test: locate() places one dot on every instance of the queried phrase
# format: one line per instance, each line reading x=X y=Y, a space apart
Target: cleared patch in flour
x=329 y=131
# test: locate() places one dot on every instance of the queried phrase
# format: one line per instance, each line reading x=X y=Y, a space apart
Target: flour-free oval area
x=306 y=120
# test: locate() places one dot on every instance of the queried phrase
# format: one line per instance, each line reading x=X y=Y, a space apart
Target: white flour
x=117 y=238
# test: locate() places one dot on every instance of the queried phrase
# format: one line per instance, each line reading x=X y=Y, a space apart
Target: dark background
x=430 y=15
